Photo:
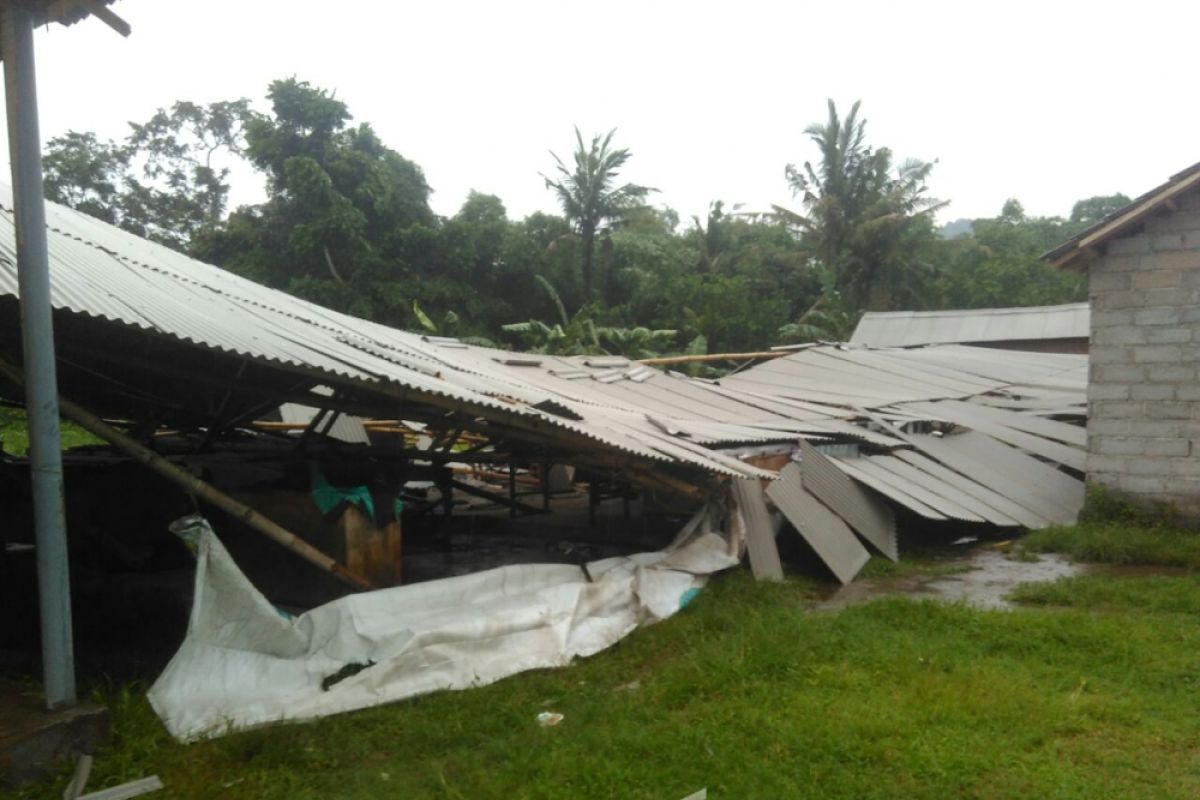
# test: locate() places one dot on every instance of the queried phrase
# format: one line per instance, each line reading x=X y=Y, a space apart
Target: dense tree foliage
x=347 y=223
x=1000 y=263
x=165 y=181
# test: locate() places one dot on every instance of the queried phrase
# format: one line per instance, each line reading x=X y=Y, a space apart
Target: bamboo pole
x=666 y=360
x=93 y=424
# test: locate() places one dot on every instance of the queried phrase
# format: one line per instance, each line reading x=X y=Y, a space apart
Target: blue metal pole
x=37 y=333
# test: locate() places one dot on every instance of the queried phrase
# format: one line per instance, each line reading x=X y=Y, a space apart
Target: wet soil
x=988 y=576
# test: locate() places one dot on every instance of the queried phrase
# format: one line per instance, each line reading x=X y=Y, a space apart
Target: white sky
x=1045 y=101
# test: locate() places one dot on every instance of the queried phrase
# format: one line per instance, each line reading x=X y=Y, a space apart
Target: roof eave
x=1078 y=253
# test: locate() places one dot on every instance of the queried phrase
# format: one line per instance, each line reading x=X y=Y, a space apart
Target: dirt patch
x=987 y=577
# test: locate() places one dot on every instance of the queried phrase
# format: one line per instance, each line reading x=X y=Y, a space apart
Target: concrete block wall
x=1144 y=392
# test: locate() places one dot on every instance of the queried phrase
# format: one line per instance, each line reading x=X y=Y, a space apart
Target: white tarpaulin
x=243 y=664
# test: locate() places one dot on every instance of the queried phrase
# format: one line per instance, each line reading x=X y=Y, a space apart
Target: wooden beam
x=514 y=504
x=105 y=15
x=1140 y=212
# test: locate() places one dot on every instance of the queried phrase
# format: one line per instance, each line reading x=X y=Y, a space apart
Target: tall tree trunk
x=588 y=234
x=606 y=268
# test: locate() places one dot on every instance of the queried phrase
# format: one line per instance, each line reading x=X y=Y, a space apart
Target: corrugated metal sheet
x=951 y=496
x=983 y=494
x=854 y=467
x=923 y=488
x=1012 y=371
x=824 y=530
x=1046 y=428
x=912 y=328
x=999 y=425
x=829 y=393
x=862 y=511
x=760 y=533
x=345 y=428
x=1021 y=478
x=108 y=274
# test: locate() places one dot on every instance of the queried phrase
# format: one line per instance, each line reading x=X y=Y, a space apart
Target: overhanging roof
x=68 y=12
x=1080 y=249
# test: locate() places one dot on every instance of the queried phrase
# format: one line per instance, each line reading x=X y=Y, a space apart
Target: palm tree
x=864 y=219
x=588 y=196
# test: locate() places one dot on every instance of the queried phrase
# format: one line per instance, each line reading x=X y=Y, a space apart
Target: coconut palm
x=864 y=218
x=589 y=196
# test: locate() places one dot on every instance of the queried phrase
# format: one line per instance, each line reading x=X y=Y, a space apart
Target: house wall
x=1144 y=392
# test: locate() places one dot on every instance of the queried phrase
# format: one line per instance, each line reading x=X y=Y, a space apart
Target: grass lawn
x=14 y=433
x=1091 y=692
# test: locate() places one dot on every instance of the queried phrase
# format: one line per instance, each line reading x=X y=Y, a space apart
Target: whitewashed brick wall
x=1144 y=392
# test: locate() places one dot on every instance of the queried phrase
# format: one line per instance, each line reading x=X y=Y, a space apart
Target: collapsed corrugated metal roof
x=910 y=328
x=145 y=330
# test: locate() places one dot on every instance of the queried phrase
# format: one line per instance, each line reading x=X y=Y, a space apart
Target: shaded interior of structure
x=132 y=579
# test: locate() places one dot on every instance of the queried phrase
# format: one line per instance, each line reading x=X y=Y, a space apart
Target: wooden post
x=512 y=491
x=371 y=551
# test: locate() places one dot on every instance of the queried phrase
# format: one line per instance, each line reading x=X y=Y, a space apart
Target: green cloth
x=329 y=497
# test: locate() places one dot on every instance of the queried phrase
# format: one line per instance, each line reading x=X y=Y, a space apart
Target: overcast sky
x=1044 y=101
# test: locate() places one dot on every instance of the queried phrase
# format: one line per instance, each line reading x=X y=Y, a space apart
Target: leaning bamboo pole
x=708 y=357
x=93 y=424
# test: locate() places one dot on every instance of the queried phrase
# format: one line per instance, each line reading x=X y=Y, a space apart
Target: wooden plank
x=127 y=790
x=825 y=532
x=861 y=510
x=760 y=537
x=498 y=499
x=1139 y=212
x=371 y=552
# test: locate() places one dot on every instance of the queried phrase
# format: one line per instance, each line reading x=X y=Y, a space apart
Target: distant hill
x=959 y=227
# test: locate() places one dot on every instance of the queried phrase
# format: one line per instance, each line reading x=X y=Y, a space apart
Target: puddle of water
x=991 y=576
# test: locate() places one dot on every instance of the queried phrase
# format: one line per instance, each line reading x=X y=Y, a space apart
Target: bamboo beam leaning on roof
x=93 y=424
x=699 y=359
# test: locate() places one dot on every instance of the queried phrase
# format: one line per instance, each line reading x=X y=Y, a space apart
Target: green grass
x=914 y=563
x=750 y=696
x=1170 y=594
x=1118 y=542
x=14 y=433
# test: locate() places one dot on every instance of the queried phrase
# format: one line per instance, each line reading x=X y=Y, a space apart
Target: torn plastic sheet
x=242 y=664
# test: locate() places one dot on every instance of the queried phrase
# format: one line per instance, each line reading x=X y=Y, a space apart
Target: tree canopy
x=346 y=222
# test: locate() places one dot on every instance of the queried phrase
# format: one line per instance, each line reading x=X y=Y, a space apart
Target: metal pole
x=37 y=333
